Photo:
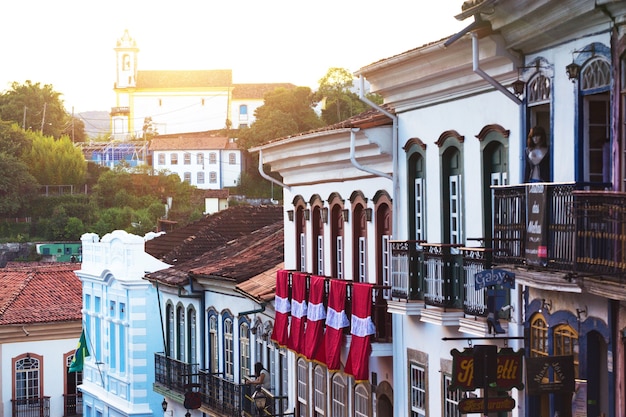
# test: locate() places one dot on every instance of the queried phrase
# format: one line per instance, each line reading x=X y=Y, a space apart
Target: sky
x=69 y=44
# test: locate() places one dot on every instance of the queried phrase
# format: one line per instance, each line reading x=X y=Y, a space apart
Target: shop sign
x=550 y=374
x=494 y=405
x=491 y=277
x=508 y=373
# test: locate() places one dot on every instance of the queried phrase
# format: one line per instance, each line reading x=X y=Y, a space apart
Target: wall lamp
x=345 y=215
x=580 y=312
x=545 y=305
x=573 y=69
x=368 y=214
x=307 y=214
x=164 y=405
x=324 y=214
x=290 y=215
x=519 y=85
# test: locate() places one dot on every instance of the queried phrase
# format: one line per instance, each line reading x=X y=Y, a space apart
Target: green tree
x=17 y=186
x=55 y=161
x=336 y=92
x=36 y=108
x=284 y=112
x=13 y=140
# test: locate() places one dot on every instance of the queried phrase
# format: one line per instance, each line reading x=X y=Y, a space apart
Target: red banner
x=362 y=326
x=316 y=315
x=336 y=321
x=298 y=312
x=282 y=307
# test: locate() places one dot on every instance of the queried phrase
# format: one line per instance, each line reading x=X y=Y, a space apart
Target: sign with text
x=494 y=405
x=491 y=277
x=536 y=227
x=508 y=373
x=550 y=374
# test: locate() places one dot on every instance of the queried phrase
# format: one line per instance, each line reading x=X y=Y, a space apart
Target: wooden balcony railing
x=31 y=407
x=220 y=395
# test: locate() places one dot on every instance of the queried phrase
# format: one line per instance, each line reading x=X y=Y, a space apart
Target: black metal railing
x=218 y=394
x=73 y=404
x=31 y=407
x=442 y=269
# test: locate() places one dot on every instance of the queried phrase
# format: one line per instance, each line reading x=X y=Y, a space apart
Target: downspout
x=487 y=77
x=267 y=177
x=356 y=163
x=259 y=310
x=395 y=164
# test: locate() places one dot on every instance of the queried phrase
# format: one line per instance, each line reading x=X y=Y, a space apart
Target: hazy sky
x=69 y=43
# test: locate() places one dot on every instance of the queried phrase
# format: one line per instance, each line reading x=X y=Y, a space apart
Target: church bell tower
x=126 y=62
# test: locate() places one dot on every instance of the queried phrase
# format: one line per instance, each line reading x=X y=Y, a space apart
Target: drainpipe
x=394 y=140
x=259 y=310
x=267 y=177
x=356 y=163
x=487 y=77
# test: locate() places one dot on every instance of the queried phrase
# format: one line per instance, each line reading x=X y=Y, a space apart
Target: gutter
x=395 y=163
x=262 y=304
x=356 y=164
x=267 y=177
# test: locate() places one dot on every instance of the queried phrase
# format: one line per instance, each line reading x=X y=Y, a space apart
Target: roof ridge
x=17 y=293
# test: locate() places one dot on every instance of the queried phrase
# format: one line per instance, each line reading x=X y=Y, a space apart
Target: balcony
x=221 y=396
x=31 y=407
x=73 y=404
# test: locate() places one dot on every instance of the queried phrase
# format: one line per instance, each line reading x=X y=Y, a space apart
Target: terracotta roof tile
x=211 y=232
x=184 y=79
x=262 y=286
x=35 y=293
x=257 y=91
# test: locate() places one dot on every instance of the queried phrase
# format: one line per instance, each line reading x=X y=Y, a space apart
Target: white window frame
x=456 y=213
x=320 y=255
x=418 y=390
x=340 y=271
x=420 y=209
x=362 y=259
x=361 y=401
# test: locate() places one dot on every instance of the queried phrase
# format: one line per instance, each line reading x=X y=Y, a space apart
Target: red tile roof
x=236 y=260
x=262 y=286
x=257 y=91
x=191 y=142
x=211 y=232
x=184 y=79
x=36 y=293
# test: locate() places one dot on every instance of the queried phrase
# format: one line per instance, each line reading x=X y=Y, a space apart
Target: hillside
x=97 y=123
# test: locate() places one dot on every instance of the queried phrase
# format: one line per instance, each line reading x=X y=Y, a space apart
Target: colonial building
x=204 y=160
x=40 y=325
x=119 y=311
x=181 y=101
x=476 y=255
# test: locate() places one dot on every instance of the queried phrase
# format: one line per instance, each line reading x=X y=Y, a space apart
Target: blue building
x=118 y=309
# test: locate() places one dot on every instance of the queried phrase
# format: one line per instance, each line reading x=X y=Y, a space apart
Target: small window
x=232 y=158
x=161 y=159
x=243 y=109
x=213 y=177
x=187 y=158
x=174 y=159
x=200 y=178
x=212 y=158
x=187 y=177
x=200 y=159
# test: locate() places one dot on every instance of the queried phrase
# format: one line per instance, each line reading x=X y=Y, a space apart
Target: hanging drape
x=282 y=307
x=357 y=363
x=316 y=315
x=298 y=312
x=336 y=321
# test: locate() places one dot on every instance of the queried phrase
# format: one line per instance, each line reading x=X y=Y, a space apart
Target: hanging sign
x=491 y=277
x=550 y=374
x=508 y=369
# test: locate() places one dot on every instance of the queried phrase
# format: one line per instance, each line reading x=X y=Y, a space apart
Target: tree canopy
x=17 y=186
x=55 y=161
x=39 y=108
x=285 y=111
x=339 y=100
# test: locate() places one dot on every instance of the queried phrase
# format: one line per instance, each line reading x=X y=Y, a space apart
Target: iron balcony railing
x=219 y=395
x=73 y=404
x=31 y=407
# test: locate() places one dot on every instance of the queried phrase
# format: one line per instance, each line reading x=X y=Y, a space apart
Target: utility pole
x=24 y=119
x=43 y=118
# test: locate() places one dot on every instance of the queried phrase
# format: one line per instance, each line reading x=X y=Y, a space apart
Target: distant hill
x=96 y=123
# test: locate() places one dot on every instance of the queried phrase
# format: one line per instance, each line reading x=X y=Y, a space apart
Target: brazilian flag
x=79 y=356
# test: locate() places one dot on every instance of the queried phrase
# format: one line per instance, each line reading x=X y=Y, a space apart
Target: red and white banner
x=336 y=321
x=313 y=347
x=282 y=307
x=298 y=312
x=357 y=363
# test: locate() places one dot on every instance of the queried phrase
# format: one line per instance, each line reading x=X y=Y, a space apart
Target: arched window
x=361 y=401
x=339 y=396
x=229 y=348
x=170 y=330
x=212 y=158
x=317 y=235
x=319 y=395
x=180 y=332
x=191 y=331
x=565 y=340
x=27 y=378
x=187 y=158
x=300 y=224
x=359 y=237
x=302 y=388
x=416 y=153
x=538 y=336
x=244 y=349
x=213 y=343
x=336 y=220
x=450 y=144
x=243 y=110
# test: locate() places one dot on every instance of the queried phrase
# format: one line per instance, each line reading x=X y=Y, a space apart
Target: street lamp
x=164 y=405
